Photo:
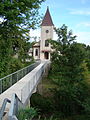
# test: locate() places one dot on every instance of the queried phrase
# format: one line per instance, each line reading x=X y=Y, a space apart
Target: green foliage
x=16 y=20
x=71 y=92
x=43 y=104
x=88 y=57
x=15 y=65
x=27 y=113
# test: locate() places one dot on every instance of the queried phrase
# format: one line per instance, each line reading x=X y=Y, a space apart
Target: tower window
x=36 y=52
x=47 y=31
x=46 y=43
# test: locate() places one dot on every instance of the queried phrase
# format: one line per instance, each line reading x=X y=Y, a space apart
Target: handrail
x=16 y=104
x=28 y=88
x=11 y=79
x=18 y=71
x=6 y=100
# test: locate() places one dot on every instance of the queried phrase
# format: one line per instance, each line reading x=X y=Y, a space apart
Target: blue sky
x=73 y=13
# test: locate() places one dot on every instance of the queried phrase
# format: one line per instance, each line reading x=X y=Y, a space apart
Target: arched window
x=46 y=43
x=36 y=52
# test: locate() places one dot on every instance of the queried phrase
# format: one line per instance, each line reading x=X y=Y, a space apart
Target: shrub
x=40 y=102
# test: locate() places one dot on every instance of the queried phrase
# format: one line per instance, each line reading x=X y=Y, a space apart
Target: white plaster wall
x=45 y=36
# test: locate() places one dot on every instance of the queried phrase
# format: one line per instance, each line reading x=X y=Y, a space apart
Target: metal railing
x=16 y=104
x=3 y=107
x=11 y=79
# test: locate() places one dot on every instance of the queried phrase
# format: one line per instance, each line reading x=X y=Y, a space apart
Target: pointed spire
x=47 y=21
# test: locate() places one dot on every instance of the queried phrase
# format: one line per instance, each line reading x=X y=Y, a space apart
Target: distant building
x=42 y=49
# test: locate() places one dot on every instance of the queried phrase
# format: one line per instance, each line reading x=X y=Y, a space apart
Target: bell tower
x=46 y=33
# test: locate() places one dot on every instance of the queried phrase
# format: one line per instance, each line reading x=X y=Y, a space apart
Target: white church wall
x=45 y=36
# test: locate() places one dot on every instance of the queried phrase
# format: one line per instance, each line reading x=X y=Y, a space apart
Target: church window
x=36 y=52
x=46 y=43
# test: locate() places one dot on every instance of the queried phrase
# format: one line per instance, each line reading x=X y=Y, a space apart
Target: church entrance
x=46 y=55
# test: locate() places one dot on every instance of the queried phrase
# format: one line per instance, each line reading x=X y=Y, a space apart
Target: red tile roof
x=47 y=21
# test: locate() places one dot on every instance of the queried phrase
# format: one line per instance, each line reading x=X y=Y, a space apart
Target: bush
x=71 y=100
x=40 y=102
x=88 y=64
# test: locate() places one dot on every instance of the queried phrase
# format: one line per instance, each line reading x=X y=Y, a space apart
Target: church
x=42 y=49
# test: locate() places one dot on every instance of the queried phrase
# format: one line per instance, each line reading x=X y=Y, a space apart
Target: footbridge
x=17 y=88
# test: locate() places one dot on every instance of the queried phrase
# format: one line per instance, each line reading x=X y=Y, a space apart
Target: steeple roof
x=47 y=21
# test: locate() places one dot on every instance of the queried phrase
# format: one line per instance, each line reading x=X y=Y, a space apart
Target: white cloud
x=55 y=37
x=83 y=37
x=35 y=33
x=84 y=24
x=80 y=12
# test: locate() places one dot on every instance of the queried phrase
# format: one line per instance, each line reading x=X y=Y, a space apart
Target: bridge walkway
x=25 y=87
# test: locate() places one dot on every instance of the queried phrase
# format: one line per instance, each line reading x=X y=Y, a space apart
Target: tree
x=88 y=57
x=16 y=19
x=68 y=58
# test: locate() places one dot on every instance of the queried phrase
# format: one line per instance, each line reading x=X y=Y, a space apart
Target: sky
x=73 y=13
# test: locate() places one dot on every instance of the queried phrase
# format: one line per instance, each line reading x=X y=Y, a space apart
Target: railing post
x=17 y=76
x=0 y=86
x=22 y=73
x=11 y=80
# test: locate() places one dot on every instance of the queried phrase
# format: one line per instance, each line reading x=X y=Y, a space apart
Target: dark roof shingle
x=47 y=21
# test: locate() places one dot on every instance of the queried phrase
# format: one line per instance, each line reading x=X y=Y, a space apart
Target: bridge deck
x=22 y=87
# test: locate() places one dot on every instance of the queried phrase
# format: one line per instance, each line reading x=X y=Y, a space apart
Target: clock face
x=47 y=31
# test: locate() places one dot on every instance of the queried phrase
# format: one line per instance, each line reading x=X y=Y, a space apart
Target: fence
x=11 y=79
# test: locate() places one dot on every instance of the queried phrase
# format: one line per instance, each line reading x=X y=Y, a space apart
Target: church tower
x=46 y=33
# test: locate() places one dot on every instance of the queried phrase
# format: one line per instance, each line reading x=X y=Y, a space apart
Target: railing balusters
x=11 y=79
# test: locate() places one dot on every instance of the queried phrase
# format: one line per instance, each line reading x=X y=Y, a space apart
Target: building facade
x=42 y=49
